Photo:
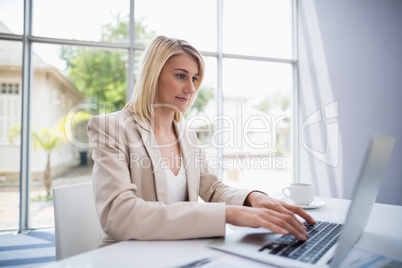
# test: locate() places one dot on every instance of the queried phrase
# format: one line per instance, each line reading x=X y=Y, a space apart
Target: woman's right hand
x=282 y=223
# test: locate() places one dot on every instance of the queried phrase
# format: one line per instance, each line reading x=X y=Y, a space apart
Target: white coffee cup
x=300 y=193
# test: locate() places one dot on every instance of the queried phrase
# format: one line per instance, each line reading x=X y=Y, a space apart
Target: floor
x=41 y=212
x=34 y=249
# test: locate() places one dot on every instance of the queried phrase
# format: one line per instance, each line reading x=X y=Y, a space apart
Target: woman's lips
x=182 y=99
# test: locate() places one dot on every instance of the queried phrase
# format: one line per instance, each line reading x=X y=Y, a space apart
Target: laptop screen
x=365 y=194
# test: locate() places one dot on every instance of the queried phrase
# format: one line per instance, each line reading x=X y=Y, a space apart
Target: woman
x=149 y=173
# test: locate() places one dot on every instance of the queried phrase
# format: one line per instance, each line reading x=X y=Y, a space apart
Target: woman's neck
x=162 y=122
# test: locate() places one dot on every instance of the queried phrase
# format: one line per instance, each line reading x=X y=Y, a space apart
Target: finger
x=292 y=229
x=287 y=222
x=280 y=207
x=299 y=211
x=270 y=225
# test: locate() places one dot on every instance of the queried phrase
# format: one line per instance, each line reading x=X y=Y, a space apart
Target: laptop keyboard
x=322 y=237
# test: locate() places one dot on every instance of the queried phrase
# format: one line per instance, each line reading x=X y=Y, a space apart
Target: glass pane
x=191 y=20
x=258 y=28
x=85 y=82
x=10 y=127
x=12 y=16
x=90 y=20
x=202 y=116
x=137 y=61
x=256 y=124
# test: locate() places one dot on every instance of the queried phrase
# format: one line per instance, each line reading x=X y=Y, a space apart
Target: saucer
x=318 y=202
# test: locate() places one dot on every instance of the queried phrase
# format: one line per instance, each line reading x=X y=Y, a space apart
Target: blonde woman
x=149 y=173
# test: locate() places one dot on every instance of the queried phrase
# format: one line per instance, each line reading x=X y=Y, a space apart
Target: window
x=194 y=21
x=243 y=116
x=257 y=83
x=77 y=19
x=10 y=125
x=12 y=16
x=263 y=29
x=256 y=105
x=9 y=108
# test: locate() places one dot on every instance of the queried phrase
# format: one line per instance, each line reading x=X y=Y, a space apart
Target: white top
x=177 y=185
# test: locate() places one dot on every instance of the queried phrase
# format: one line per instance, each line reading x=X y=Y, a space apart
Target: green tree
x=101 y=74
x=205 y=94
x=50 y=138
x=47 y=139
x=265 y=104
x=273 y=100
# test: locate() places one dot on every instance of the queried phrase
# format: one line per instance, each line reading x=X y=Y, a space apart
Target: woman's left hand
x=260 y=200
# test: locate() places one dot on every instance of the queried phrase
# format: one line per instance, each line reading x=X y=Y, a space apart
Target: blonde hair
x=158 y=52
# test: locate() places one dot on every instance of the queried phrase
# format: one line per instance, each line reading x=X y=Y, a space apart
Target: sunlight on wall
x=323 y=166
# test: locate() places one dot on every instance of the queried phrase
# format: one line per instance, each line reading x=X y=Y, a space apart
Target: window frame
x=27 y=39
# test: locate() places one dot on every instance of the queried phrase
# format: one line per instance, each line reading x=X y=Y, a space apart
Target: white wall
x=350 y=58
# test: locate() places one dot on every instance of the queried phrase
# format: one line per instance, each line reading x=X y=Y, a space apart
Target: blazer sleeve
x=123 y=215
x=212 y=189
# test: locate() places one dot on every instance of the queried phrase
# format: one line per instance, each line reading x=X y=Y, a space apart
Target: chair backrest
x=77 y=226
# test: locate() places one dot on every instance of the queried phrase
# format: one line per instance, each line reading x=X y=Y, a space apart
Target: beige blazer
x=130 y=186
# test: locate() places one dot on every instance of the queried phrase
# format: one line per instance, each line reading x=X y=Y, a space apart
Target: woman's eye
x=180 y=76
x=195 y=79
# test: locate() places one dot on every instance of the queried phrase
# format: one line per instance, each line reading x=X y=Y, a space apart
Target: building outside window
x=10 y=108
x=243 y=114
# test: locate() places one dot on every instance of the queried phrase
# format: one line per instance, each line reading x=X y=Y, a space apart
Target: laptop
x=328 y=242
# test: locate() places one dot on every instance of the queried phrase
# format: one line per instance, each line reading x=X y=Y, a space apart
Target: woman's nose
x=190 y=87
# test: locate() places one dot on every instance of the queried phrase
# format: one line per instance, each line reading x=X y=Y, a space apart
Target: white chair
x=77 y=226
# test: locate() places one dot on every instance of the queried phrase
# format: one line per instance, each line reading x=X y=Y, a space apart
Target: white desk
x=383 y=234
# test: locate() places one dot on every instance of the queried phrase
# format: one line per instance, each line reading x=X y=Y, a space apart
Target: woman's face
x=176 y=84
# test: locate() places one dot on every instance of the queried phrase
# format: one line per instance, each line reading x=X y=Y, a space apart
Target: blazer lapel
x=151 y=146
x=192 y=173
